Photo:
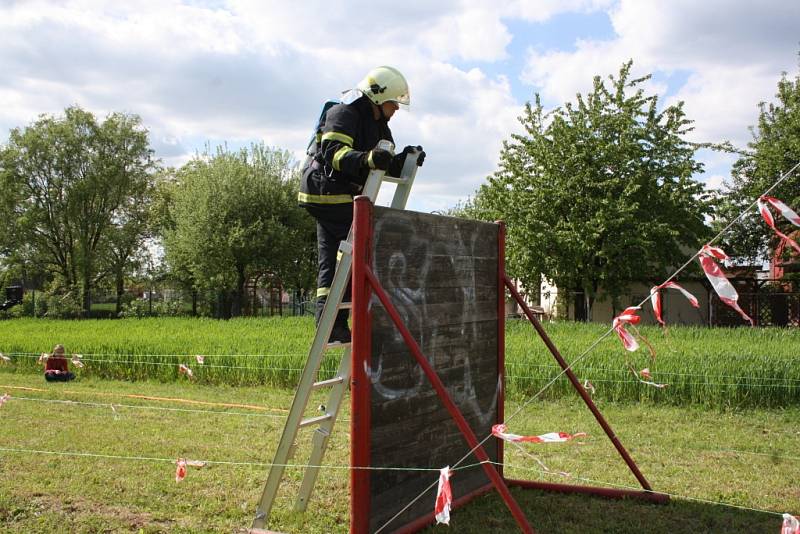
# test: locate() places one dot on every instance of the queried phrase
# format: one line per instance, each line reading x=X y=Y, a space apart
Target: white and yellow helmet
x=384 y=84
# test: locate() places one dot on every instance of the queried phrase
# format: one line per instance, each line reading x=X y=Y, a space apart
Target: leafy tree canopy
x=774 y=150
x=233 y=215
x=70 y=188
x=599 y=192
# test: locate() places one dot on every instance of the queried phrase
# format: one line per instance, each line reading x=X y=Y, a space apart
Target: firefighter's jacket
x=337 y=171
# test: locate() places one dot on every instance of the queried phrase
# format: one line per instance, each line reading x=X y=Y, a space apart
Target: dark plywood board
x=441 y=274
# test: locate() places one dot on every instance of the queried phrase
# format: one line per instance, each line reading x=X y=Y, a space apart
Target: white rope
x=114 y=406
x=680 y=384
x=187 y=356
x=212 y=462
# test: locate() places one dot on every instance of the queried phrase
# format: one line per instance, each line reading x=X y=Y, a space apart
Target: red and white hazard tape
x=786 y=211
x=184 y=370
x=4 y=398
x=655 y=298
x=645 y=377
x=791 y=524
x=180 y=471
x=727 y=293
x=444 y=497
x=499 y=431
x=627 y=317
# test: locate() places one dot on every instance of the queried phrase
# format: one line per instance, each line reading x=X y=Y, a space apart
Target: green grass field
x=739 y=367
x=744 y=458
x=726 y=430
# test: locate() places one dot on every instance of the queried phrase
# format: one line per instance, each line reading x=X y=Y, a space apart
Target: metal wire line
x=222 y=462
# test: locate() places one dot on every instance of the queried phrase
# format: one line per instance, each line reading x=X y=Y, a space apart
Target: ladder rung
x=394 y=179
x=314 y=420
x=345 y=305
x=330 y=382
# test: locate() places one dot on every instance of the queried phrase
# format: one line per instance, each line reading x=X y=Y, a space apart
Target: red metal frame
x=501 y=336
x=359 y=381
x=648 y=493
x=364 y=285
x=363 y=282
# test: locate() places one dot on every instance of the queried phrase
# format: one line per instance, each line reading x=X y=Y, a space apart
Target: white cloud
x=723 y=101
x=716 y=181
x=261 y=71
x=472 y=34
x=731 y=54
x=246 y=70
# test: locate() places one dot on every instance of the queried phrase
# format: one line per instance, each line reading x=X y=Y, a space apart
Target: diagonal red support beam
x=455 y=413
x=580 y=389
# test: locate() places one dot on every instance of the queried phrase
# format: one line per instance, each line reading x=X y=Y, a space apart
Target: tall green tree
x=233 y=215
x=599 y=192
x=66 y=184
x=774 y=150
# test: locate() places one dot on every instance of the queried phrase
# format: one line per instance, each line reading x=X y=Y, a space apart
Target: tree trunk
x=588 y=302
x=194 y=303
x=120 y=292
x=238 y=294
x=86 y=294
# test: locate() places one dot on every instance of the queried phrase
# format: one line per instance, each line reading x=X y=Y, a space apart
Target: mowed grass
x=723 y=367
x=93 y=468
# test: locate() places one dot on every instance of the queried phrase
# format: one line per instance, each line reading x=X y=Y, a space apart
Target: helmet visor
x=404 y=101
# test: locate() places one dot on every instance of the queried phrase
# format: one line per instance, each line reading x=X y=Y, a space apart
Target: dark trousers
x=330 y=231
x=61 y=377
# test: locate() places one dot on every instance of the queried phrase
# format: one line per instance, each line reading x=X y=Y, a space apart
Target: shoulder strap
x=313 y=143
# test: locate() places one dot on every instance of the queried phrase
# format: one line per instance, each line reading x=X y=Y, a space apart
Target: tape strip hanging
x=184 y=370
x=76 y=360
x=4 y=398
x=645 y=377
x=791 y=524
x=655 y=298
x=180 y=471
x=627 y=317
x=499 y=431
x=786 y=211
x=727 y=293
x=444 y=497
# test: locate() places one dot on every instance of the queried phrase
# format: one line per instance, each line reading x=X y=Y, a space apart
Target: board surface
x=441 y=274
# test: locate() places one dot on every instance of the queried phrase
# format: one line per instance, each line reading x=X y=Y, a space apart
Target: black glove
x=400 y=159
x=378 y=158
x=421 y=157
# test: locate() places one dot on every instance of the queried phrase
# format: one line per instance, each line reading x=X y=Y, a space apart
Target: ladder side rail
x=304 y=388
x=307 y=381
x=407 y=176
x=323 y=433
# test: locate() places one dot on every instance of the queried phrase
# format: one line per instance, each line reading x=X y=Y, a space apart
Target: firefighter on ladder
x=342 y=156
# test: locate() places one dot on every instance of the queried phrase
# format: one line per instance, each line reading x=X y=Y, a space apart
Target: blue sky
x=239 y=71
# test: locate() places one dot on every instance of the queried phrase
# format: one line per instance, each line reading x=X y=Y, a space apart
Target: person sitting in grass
x=57 y=368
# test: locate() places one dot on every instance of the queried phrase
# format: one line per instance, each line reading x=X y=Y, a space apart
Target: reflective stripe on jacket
x=336 y=172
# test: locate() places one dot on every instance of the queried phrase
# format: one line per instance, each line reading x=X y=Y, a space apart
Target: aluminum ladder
x=339 y=384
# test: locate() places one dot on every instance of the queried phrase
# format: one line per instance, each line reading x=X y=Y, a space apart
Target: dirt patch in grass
x=81 y=511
